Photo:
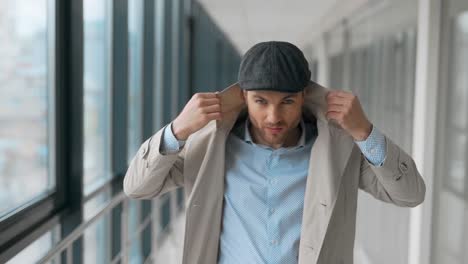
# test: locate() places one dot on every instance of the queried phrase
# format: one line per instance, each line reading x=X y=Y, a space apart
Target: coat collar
x=233 y=105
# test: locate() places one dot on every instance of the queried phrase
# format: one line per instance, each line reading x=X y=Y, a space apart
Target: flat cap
x=274 y=65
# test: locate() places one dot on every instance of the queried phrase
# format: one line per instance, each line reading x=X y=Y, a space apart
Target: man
x=272 y=165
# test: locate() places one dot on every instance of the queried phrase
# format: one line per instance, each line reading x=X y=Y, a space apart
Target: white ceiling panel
x=247 y=22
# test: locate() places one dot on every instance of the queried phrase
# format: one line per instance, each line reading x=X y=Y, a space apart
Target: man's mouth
x=275 y=129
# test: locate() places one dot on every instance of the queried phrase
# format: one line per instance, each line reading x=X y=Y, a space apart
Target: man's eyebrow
x=289 y=96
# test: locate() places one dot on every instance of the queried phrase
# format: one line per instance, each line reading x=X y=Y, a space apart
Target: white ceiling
x=247 y=22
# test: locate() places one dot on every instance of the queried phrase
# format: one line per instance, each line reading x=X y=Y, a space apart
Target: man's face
x=274 y=115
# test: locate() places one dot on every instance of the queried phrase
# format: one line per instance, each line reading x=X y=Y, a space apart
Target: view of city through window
x=26 y=102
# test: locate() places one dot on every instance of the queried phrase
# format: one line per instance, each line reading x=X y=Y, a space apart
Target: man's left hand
x=344 y=107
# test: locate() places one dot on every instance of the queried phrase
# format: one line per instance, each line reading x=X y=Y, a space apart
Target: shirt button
x=273 y=242
x=372 y=151
x=273 y=181
x=272 y=210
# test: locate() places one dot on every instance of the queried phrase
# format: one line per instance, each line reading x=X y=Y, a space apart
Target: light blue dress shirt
x=263 y=198
x=264 y=193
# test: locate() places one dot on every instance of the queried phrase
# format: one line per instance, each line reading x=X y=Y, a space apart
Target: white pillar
x=424 y=130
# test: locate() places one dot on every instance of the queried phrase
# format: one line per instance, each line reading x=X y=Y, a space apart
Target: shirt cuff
x=374 y=147
x=170 y=144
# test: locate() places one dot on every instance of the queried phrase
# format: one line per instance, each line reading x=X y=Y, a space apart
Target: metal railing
x=66 y=245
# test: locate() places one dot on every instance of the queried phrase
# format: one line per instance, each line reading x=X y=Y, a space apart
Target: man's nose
x=274 y=116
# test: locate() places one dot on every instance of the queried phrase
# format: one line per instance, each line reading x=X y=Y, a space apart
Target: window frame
x=22 y=227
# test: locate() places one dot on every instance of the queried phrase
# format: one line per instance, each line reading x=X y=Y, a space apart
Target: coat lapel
x=328 y=160
x=204 y=215
x=329 y=157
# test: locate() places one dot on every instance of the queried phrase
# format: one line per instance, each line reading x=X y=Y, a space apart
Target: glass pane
x=165 y=213
x=459 y=76
x=456 y=163
x=452 y=218
x=96 y=93
x=381 y=72
x=147 y=234
x=97 y=236
x=452 y=212
x=135 y=87
x=180 y=198
x=96 y=241
x=26 y=100
x=38 y=249
x=135 y=255
x=336 y=72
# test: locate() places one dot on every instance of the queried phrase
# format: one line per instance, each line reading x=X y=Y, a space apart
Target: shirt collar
x=300 y=143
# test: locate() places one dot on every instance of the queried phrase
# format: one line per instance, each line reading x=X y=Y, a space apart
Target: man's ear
x=304 y=92
x=244 y=95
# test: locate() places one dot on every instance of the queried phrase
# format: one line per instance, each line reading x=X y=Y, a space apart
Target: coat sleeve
x=152 y=173
x=397 y=181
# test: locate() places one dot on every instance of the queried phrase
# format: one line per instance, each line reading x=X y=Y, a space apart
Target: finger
x=212 y=116
x=338 y=93
x=207 y=95
x=341 y=93
x=333 y=115
x=337 y=100
x=209 y=102
x=335 y=108
x=212 y=108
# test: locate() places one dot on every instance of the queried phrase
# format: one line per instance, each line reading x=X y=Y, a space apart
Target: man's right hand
x=200 y=109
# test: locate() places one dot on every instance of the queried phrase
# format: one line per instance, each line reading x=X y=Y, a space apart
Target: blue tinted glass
x=26 y=100
x=135 y=87
x=96 y=92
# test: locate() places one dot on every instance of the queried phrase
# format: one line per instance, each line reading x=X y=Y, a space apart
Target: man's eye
x=288 y=101
x=260 y=101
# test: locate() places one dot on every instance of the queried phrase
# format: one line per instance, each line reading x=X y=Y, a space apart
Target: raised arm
x=158 y=166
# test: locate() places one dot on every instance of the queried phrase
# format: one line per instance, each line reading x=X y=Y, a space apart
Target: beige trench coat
x=337 y=169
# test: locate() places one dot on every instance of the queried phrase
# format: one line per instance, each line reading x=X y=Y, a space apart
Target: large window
x=382 y=76
x=96 y=93
x=458 y=107
x=58 y=154
x=135 y=86
x=451 y=199
x=27 y=102
x=379 y=67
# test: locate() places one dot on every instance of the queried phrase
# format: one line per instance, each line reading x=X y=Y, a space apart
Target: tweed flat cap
x=274 y=65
